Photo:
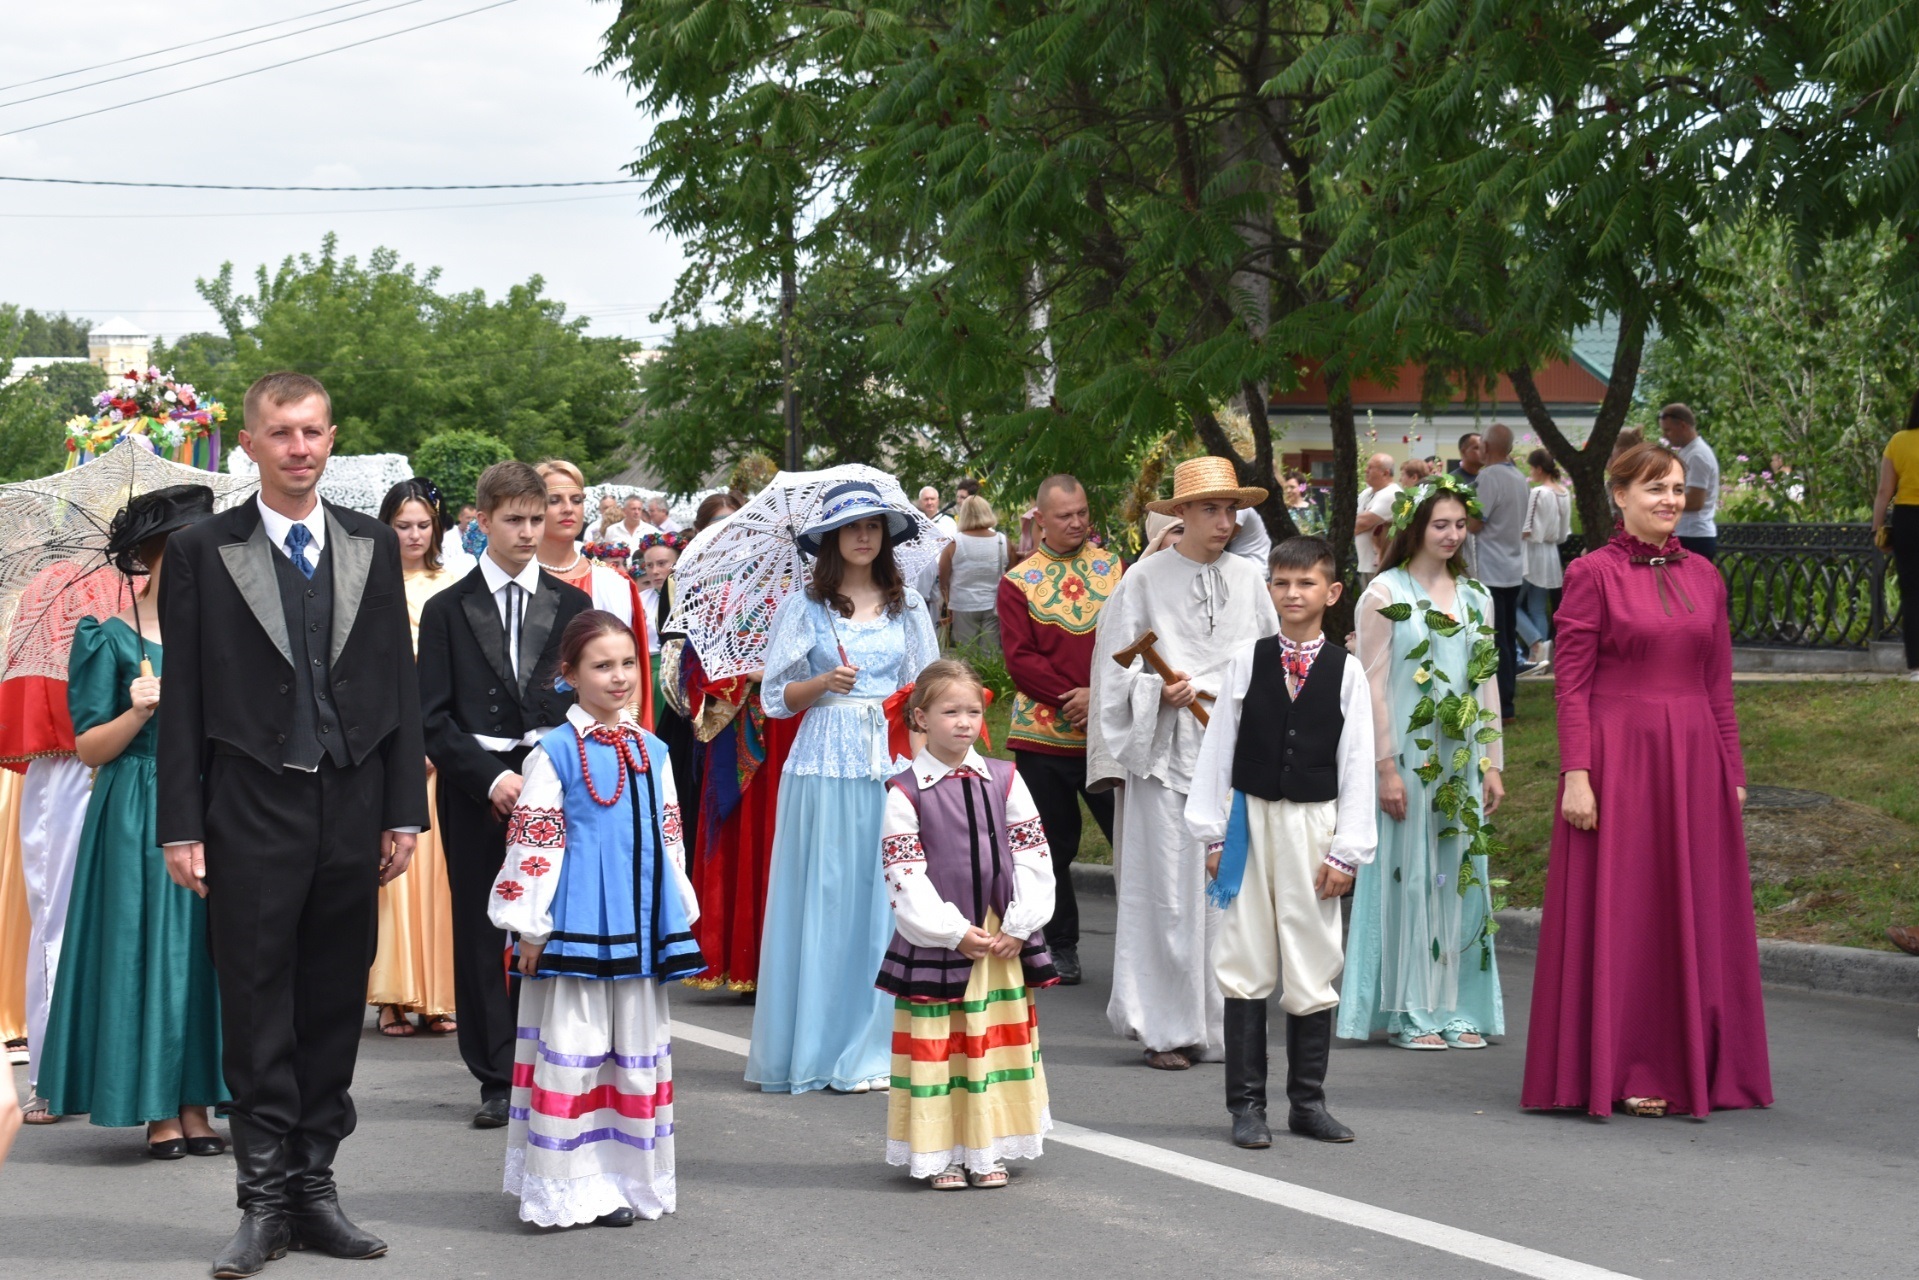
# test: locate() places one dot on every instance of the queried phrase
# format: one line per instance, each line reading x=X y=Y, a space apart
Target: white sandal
x=951 y=1178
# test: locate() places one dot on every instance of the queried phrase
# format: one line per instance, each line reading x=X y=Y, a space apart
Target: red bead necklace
x=620 y=740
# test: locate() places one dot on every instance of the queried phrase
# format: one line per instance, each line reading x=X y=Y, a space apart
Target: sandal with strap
x=1652 y=1107
x=1411 y=1040
x=394 y=1022
x=993 y=1177
x=951 y=1178
x=442 y=1025
x=36 y=1111
x=1455 y=1038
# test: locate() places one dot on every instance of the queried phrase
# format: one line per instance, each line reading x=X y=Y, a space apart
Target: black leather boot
x=260 y=1163
x=1309 y=1043
x=1246 y=1072
x=313 y=1202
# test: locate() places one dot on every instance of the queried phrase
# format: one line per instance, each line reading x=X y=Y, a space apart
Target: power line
x=274 y=66
x=201 y=57
x=317 y=213
x=172 y=48
x=220 y=186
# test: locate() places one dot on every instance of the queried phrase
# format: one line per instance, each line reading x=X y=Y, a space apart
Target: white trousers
x=53 y=807
x=1278 y=933
x=1164 y=994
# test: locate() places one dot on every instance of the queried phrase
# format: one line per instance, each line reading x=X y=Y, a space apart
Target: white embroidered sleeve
x=1210 y=803
x=1356 y=815
x=522 y=898
x=672 y=829
x=923 y=917
x=1033 y=884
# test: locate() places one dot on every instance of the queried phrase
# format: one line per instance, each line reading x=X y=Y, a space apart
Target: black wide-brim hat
x=856 y=500
x=151 y=515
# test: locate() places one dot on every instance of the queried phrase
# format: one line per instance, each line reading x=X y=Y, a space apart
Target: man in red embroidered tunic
x=1048 y=606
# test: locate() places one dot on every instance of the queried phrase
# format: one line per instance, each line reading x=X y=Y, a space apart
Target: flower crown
x=1432 y=486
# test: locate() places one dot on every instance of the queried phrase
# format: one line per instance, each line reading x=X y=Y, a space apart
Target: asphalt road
x=1141 y=1181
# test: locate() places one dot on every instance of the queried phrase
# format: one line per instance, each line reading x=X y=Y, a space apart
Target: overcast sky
x=500 y=96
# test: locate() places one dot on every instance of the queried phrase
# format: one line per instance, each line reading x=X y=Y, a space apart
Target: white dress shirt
x=278 y=526
x=1355 y=825
x=526 y=582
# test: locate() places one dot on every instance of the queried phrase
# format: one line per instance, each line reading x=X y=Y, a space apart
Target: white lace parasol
x=53 y=538
x=734 y=575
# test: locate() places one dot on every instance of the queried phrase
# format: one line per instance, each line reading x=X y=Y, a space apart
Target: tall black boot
x=260 y=1163
x=1309 y=1043
x=1246 y=1072
x=313 y=1202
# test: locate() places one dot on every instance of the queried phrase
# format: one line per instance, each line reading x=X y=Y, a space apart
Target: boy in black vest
x=1283 y=797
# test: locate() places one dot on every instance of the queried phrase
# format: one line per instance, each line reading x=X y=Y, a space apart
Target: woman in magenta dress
x=1647 y=991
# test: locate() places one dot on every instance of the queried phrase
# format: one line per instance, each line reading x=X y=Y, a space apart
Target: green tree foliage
x=52 y=334
x=453 y=460
x=403 y=360
x=1526 y=167
x=712 y=397
x=1808 y=366
x=32 y=438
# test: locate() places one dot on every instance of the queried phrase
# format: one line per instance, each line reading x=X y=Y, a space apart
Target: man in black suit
x=292 y=785
x=489 y=652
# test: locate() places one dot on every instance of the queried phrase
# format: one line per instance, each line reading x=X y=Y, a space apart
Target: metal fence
x=1807 y=586
x=1802 y=586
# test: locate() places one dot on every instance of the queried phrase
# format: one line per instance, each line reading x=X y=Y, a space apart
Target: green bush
x=454 y=460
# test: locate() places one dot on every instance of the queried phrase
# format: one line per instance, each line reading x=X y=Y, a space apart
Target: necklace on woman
x=562 y=570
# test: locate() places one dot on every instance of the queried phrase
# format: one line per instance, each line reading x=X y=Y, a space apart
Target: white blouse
x=924 y=918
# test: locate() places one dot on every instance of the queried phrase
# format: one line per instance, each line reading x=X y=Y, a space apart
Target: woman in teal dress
x=1419 y=954
x=134 y=1035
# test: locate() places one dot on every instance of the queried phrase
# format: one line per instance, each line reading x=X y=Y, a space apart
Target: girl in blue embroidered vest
x=970 y=881
x=594 y=886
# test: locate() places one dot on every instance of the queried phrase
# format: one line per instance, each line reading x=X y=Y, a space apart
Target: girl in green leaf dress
x=1419 y=956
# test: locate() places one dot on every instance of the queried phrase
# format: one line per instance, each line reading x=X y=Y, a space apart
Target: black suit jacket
x=229 y=664
x=465 y=687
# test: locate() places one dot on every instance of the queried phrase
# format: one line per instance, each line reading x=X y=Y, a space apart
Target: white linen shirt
x=923 y=917
x=278 y=526
x=1209 y=804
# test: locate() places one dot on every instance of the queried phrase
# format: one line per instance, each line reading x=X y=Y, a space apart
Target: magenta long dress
x=1648 y=977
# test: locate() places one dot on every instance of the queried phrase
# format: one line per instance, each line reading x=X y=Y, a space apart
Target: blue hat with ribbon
x=856 y=500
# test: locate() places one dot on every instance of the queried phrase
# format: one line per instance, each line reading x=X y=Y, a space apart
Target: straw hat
x=1197 y=479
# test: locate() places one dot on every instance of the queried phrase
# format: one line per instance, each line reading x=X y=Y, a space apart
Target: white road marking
x=1288 y=1195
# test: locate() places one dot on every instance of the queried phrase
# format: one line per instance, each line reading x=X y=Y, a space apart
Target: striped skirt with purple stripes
x=591 y=1126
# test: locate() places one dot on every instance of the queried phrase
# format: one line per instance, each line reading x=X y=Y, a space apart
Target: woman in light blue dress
x=854 y=636
x=1419 y=953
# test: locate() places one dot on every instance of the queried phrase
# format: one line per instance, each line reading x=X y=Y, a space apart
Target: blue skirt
x=818 y=1020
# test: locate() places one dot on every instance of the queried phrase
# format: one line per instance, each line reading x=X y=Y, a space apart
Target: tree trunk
x=789 y=394
x=1587 y=466
x=1345 y=506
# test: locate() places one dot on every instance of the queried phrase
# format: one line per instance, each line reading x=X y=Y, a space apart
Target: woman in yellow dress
x=413 y=969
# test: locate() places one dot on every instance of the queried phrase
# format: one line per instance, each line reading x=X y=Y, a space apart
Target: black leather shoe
x=263 y=1237
x=171 y=1149
x=1249 y=1129
x=620 y=1217
x=1066 y=965
x=491 y=1115
x=212 y=1145
x=260 y=1166
x=1309 y=1044
x=1246 y=1072
x=313 y=1202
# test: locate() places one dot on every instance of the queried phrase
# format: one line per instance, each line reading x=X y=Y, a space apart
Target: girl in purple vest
x=970 y=881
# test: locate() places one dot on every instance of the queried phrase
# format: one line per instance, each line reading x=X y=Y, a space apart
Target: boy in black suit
x=489 y=652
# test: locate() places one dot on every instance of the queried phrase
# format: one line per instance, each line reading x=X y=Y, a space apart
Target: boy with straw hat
x=1202 y=607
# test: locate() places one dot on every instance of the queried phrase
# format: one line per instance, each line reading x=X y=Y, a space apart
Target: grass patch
x=1853 y=741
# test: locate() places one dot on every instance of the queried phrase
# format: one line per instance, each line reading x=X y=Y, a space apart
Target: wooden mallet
x=1143 y=648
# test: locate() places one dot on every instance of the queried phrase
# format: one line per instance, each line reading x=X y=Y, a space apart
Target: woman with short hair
x=1895 y=525
x=971 y=566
